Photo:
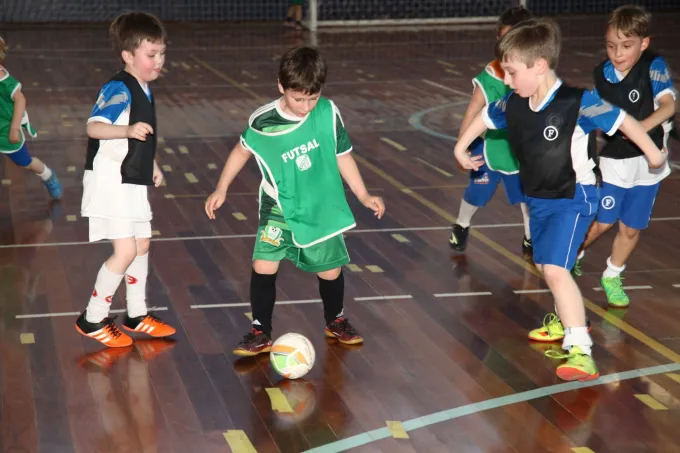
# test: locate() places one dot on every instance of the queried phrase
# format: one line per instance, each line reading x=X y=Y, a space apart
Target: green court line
x=494 y=403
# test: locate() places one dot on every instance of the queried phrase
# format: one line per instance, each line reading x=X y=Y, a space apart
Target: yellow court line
x=27 y=338
x=396 y=429
x=613 y=320
x=582 y=450
x=651 y=402
x=239 y=442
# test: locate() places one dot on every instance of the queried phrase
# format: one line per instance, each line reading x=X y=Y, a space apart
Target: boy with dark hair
x=499 y=162
x=120 y=164
x=638 y=80
x=302 y=149
x=548 y=125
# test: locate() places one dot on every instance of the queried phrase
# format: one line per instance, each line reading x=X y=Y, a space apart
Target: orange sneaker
x=103 y=359
x=105 y=332
x=148 y=324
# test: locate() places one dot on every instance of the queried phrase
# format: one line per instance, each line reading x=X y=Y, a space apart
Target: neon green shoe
x=613 y=288
x=578 y=367
x=577 y=270
x=552 y=329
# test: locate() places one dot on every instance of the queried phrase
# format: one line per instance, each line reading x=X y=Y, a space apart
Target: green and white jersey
x=8 y=88
x=301 y=187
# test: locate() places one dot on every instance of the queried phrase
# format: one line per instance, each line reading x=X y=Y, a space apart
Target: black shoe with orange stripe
x=253 y=343
x=149 y=324
x=105 y=332
x=343 y=331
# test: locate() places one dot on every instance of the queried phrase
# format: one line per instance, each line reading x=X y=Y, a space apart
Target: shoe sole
x=355 y=341
x=618 y=306
x=105 y=344
x=151 y=335
x=244 y=353
x=574 y=374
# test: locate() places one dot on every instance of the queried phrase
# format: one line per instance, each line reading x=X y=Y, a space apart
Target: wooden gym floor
x=446 y=366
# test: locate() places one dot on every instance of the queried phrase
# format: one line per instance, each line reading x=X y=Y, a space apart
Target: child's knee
x=555 y=274
x=332 y=274
x=143 y=246
x=627 y=232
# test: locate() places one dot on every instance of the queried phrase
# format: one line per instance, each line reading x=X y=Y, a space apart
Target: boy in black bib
x=636 y=79
x=548 y=126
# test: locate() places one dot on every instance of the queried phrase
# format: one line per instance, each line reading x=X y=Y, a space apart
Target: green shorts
x=275 y=244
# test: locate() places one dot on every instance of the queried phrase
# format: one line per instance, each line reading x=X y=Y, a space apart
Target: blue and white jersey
x=595 y=113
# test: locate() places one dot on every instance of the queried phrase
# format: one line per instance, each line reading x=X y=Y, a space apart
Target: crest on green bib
x=272 y=235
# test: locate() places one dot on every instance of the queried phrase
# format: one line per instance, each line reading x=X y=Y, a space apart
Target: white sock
x=46 y=174
x=578 y=336
x=104 y=288
x=525 y=216
x=465 y=213
x=612 y=271
x=135 y=286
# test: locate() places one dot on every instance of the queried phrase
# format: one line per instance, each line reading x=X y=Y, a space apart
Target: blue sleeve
x=494 y=113
x=596 y=113
x=113 y=99
x=661 y=79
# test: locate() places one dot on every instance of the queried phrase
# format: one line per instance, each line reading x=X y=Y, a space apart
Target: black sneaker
x=343 y=331
x=527 y=247
x=459 y=236
x=253 y=343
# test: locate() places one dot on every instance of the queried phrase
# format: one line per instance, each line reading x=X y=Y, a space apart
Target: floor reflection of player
x=139 y=391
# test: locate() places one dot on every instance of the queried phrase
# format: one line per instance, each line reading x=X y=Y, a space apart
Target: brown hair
x=302 y=69
x=631 y=20
x=531 y=40
x=3 y=49
x=129 y=30
x=512 y=16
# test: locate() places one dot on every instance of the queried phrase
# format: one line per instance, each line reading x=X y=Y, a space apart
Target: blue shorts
x=21 y=157
x=633 y=206
x=559 y=226
x=483 y=182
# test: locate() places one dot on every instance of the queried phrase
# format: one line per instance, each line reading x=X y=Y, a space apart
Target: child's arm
x=636 y=133
x=460 y=151
x=663 y=92
x=350 y=173
x=19 y=108
x=235 y=162
x=104 y=131
x=477 y=103
x=665 y=111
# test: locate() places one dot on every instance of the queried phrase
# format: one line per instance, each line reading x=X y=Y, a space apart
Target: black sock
x=262 y=299
x=332 y=294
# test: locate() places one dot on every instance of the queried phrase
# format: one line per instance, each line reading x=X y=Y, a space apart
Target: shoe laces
x=111 y=327
x=345 y=326
x=616 y=286
x=552 y=323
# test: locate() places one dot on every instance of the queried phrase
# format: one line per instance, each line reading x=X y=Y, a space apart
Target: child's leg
x=635 y=213
x=23 y=159
x=263 y=294
x=137 y=318
x=515 y=194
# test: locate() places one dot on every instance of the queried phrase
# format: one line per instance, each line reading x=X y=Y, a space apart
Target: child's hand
x=374 y=203
x=14 y=135
x=139 y=131
x=657 y=159
x=214 y=201
x=468 y=162
x=157 y=175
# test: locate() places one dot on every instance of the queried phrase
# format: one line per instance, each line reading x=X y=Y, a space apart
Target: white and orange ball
x=292 y=355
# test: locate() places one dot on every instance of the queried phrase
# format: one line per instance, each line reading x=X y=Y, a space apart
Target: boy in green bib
x=302 y=149
x=500 y=163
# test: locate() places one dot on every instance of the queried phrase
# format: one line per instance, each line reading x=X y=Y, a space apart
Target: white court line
x=531 y=291
x=484 y=293
x=677 y=285
x=400 y=296
x=247 y=304
x=444 y=87
x=241 y=236
x=628 y=287
x=77 y=313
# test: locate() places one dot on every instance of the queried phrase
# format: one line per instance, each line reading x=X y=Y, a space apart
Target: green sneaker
x=613 y=288
x=578 y=367
x=577 y=271
x=552 y=329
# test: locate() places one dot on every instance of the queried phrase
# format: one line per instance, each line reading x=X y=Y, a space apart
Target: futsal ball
x=292 y=355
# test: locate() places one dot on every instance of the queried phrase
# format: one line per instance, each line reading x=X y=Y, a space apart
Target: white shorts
x=101 y=228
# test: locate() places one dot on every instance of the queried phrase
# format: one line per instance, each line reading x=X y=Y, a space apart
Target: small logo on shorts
x=608 y=202
x=634 y=96
x=550 y=133
x=303 y=162
x=272 y=235
x=484 y=179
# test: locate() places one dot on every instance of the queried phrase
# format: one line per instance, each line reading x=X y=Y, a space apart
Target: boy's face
x=146 y=61
x=297 y=102
x=624 y=51
x=519 y=77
